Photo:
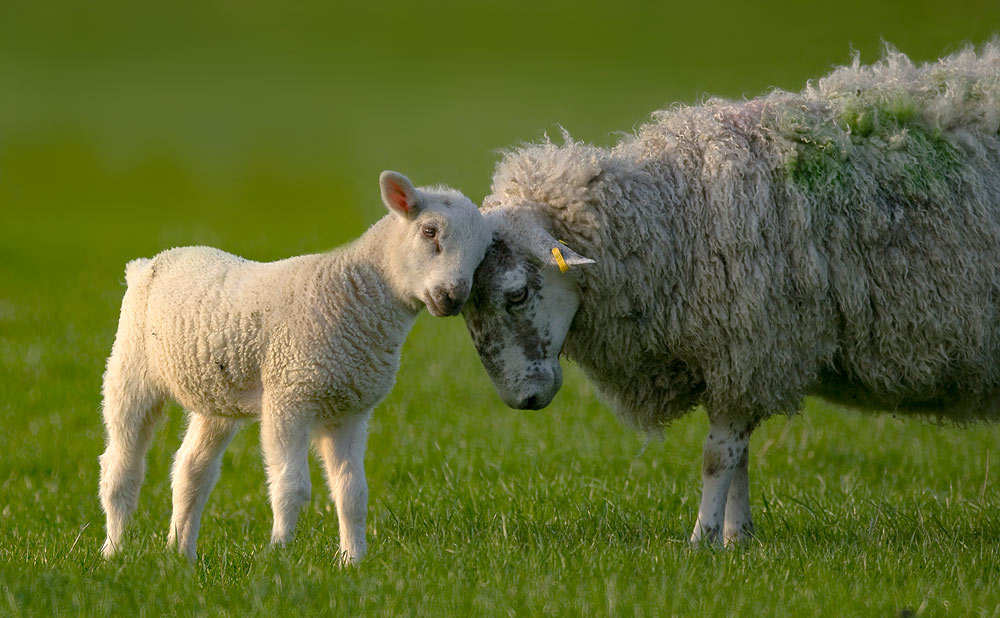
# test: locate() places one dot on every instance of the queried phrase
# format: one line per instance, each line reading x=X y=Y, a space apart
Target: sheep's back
x=843 y=240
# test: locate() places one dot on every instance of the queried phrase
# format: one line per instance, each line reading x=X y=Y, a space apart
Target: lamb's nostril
x=530 y=403
x=451 y=301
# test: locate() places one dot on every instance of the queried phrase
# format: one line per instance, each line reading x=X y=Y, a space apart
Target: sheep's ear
x=553 y=252
x=399 y=194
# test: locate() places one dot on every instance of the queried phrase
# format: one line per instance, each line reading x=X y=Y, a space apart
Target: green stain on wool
x=919 y=162
x=932 y=166
x=816 y=165
x=875 y=114
x=819 y=154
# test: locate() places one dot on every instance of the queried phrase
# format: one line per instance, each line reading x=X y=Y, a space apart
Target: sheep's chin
x=537 y=393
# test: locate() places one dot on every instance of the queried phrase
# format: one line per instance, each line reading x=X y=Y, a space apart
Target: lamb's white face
x=519 y=312
x=441 y=240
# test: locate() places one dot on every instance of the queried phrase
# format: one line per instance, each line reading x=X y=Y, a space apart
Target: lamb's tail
x=135 y=269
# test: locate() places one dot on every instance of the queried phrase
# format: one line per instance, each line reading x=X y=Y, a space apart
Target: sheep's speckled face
x=518 y=314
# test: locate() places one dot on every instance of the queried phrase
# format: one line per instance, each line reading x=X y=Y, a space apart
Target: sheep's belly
x=956 y=403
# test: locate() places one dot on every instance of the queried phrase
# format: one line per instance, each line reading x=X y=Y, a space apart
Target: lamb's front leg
x=342 y=447
x=724 y=450
x=284 y=437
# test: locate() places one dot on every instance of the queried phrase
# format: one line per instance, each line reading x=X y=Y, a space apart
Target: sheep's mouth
x=535 y=392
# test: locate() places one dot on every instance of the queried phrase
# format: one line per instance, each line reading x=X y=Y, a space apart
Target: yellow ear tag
x=557 y=254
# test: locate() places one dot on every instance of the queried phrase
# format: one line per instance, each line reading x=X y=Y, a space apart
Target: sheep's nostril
x=530 y=403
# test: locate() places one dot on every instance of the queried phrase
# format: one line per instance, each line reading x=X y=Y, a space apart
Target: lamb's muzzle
x=445 y=301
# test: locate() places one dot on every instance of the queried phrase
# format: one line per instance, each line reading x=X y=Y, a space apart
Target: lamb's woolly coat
x=243 y=328
x=841 y=241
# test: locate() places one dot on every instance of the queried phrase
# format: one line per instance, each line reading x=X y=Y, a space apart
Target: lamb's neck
x=363 y=268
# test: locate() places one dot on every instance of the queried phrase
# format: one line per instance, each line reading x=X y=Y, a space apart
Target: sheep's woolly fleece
x=842 y=241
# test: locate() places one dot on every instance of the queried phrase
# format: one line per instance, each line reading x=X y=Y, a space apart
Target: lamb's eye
x=429 y=231
x=517 y=296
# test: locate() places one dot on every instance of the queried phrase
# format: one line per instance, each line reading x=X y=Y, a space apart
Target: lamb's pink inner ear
x=397 y=196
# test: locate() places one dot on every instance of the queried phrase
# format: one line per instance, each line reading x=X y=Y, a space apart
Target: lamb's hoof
x=348 y=560
x=191 y=555
x=279 y=541
x=108 y=550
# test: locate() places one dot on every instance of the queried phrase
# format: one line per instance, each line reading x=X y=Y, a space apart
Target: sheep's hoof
x=706 y=538
x=739 y=536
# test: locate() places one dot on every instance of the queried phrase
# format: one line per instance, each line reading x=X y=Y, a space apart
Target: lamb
x=842 y=242
x=306 y=345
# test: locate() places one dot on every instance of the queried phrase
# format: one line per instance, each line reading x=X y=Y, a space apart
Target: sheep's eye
x=517 y=297
x=429 y=231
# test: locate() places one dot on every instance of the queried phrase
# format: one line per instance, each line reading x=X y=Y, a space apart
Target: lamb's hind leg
x=284 y=439
x=724 y=449
x=131 y=410
x=342 y=447
x=195 y=472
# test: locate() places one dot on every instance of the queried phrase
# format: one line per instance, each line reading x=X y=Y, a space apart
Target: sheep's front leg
x=342 y=447
x=725 y=449
x=195 y=472
x=284 y=437
x=739 y=524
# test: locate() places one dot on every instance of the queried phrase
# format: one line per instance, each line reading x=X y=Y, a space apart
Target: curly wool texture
x=843 y=241
x=219 y=330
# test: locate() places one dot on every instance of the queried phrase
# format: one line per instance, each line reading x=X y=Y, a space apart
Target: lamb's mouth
x=432 y=307
x=442 y=307
x=439 y=309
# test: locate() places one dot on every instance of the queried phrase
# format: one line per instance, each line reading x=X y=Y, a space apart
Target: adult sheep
x=843 y=242
x=307 y=345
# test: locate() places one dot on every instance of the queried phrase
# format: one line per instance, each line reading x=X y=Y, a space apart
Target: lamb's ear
x=551 y=251
x=399 y=194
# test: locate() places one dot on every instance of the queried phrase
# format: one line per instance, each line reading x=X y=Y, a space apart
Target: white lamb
x=307 y=345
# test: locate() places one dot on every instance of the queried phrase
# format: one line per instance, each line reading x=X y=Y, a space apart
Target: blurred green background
x=261 y=128
x=119 y=114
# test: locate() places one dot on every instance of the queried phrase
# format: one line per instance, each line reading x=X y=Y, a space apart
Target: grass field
x=126 y=130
